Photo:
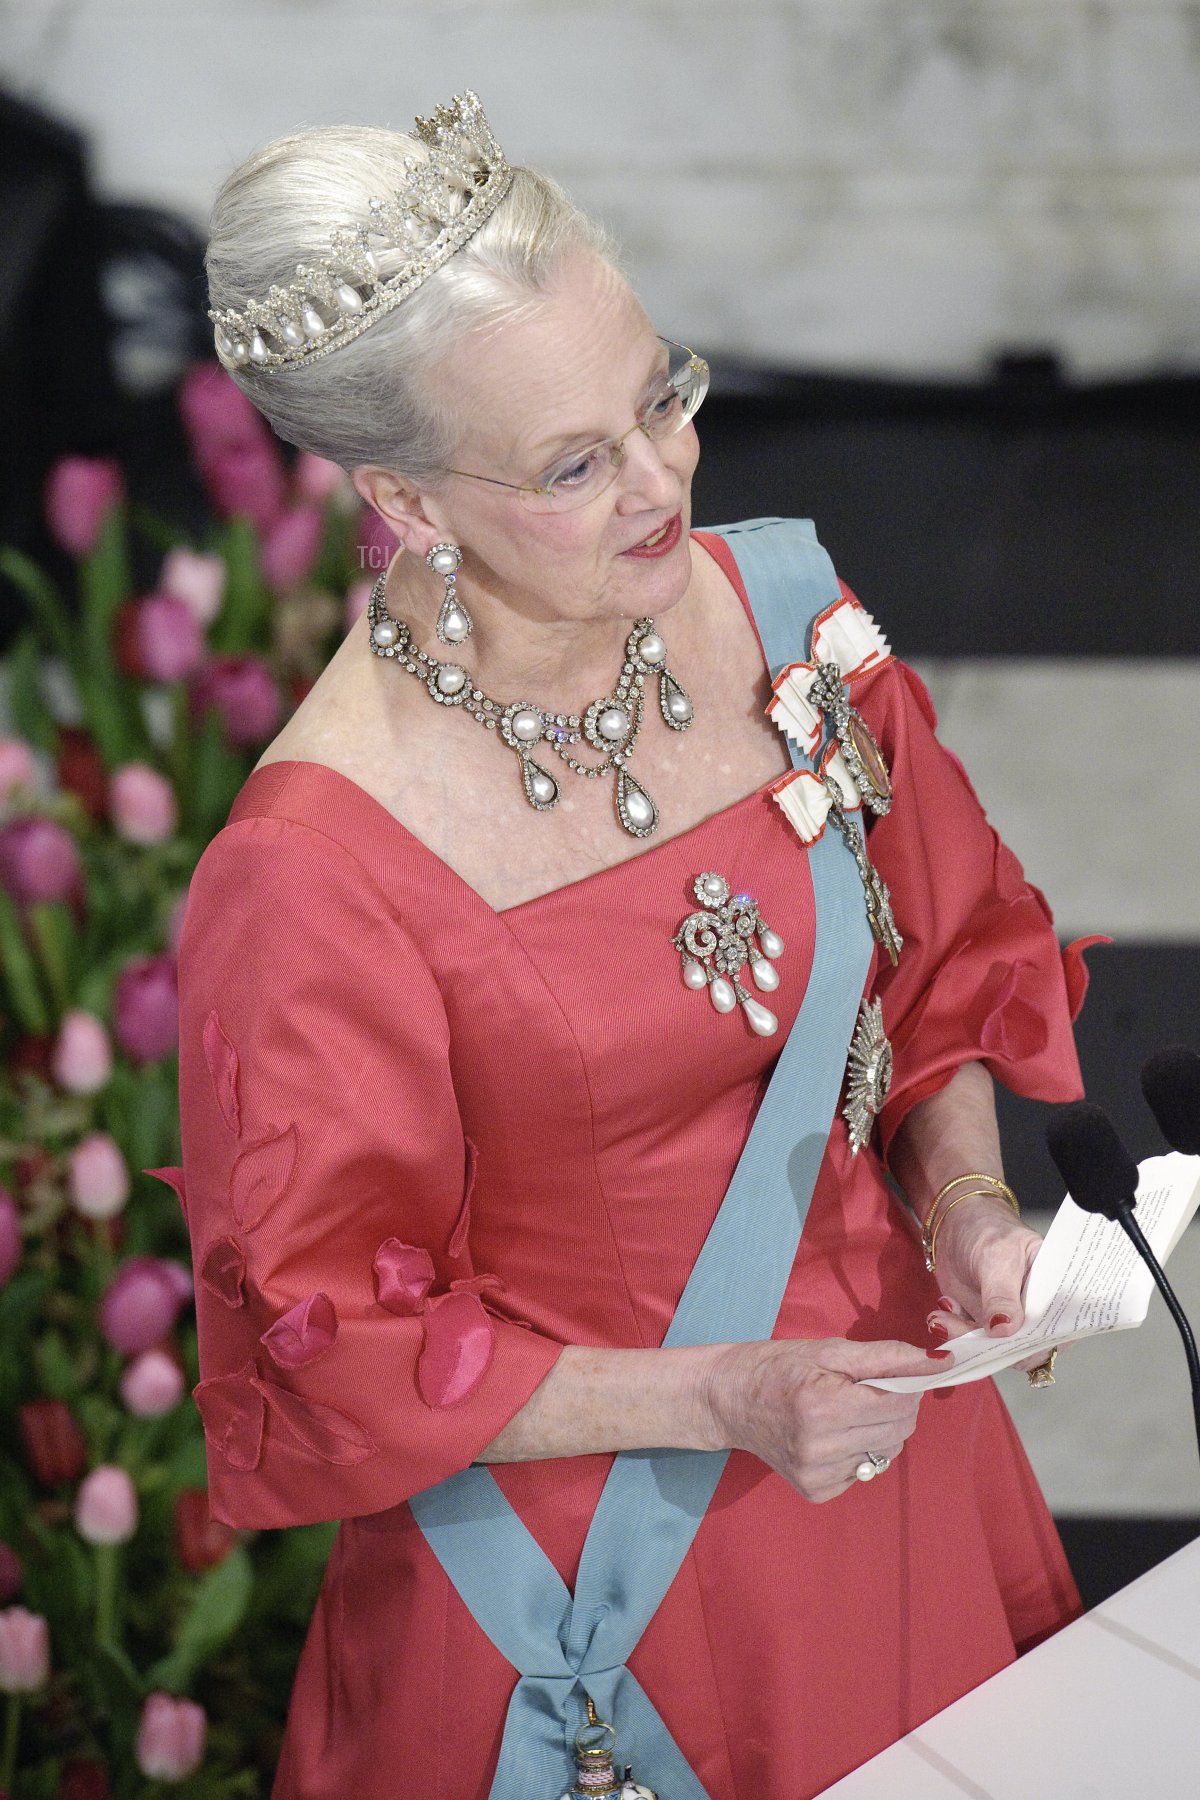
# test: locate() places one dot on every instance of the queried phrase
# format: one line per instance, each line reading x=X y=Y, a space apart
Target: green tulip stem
x=12 y=1731
x=106 y=1593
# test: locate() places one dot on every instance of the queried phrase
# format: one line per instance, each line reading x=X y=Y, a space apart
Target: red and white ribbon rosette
x=845 y=634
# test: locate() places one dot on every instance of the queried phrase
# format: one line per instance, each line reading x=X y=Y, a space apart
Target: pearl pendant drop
x=766 y=975
x=693 y=975
x=721 y=993
x=760 y=1019
x=771 y=942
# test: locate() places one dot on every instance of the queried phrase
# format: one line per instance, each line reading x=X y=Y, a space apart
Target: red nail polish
x=998 y=1319
x=937 y=1329
x=938 y=1354
x=946 y=1305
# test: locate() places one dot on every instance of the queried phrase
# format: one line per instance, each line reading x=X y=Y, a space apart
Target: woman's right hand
x=796 y=1404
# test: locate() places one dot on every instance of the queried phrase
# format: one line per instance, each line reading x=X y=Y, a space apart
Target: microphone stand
x=1134 y=1232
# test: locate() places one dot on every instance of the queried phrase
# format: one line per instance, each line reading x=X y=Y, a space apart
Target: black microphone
x=1171 y=1084
x=1102 y=1177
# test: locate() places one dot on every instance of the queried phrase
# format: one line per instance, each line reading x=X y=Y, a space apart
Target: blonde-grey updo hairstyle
x=373 y=400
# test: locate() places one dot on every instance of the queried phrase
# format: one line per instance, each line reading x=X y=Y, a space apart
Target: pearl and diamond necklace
x=610 y=724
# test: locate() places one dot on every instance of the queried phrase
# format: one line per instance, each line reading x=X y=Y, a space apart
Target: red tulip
x=83 y=1780
x=12 y=1575
x=33 y=1054
x=38 y=861
x=158 y=638
x=54 y=1446
x=291 y=546
x=243 y=691
x=146 y=1008
x=200 y=1540
x=139 y=1306
x=79 y=491
x=80 y=770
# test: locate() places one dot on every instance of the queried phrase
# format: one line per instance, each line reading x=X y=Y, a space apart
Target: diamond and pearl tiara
x=444 y=200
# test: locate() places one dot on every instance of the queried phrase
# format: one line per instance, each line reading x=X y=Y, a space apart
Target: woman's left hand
x=984 y=1254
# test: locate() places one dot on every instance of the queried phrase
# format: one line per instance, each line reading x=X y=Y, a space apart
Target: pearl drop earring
x=454 y=622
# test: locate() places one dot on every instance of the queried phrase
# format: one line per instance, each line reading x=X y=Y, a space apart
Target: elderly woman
x=496 y=1219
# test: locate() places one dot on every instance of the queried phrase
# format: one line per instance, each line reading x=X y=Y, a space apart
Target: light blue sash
x=566 y=1647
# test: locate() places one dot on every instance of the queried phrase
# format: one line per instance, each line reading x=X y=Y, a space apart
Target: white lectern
x=1108 y=1709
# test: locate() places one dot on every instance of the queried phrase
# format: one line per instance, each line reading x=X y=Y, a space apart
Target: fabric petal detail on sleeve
x=261 y=1177
x=459 y=1342
x=329 y=1434
x=1012 y=1027
x=223 y=1271
x=458 y=1237
x=222 y=1060
x=1075 y=970
x=233 y=1413
x=303 y=1333
x=403 y=1276
x=173 y=1179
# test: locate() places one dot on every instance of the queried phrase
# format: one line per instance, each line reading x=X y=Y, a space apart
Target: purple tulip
x=141 y=804
x=197 y=579
x=10 y=1237
x=17 y=766
x=291 y=546
x=12 y=1575
x=248 y=479
x=139 y=1306
x=152 y=1384
x=178 y=1278
x=377 y=543
x=170 y=1738
x=79 y=491
x=216 y=414
x=39 y=861
x=97 y=1176
x=82 y=1059
x=106 y=1506
x=24 y=1651
x=243 y=691
x=319 y=480
x=166 y=641
x=146 y=1008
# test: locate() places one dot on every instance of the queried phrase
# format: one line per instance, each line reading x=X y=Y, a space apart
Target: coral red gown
x=427 y=1143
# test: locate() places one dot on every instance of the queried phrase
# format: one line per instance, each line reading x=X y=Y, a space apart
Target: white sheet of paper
x=1086 y=1278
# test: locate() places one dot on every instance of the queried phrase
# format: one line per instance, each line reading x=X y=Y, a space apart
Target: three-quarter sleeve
x=349 y=1356
x=981 y=976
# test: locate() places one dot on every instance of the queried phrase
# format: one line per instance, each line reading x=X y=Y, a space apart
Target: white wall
x=897 y=184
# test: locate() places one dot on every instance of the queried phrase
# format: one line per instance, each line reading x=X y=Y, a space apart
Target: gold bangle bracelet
x=995 y=1188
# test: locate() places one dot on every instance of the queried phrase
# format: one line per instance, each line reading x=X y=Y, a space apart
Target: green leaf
x=27 y=703
x=244 y=619
x=55 y=1366
x=44 y=601
x=216 y=1610
x=20 y=971
x=54 y=936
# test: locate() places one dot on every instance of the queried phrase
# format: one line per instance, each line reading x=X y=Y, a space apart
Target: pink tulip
x=319 y=480
x=39 y=861
x=12 y=1575
x=152 y=1384
x=356 y=603
x=377 y=543
x=79 y=491
x=249 y=479
x=10 y=1237
x=98 y=1176
x=163 y=641
x=170 y=1738
x=17 y=766
x=82 y=1060
x=106 y=1506
x=141 y=804
x=24 y=1651
x=243 y=691
x=197 y=579
x=291 y=546
x=175 y=920
x=216 y=414
x=146 y=1008
x=178 y=1278
x=139 y=1306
